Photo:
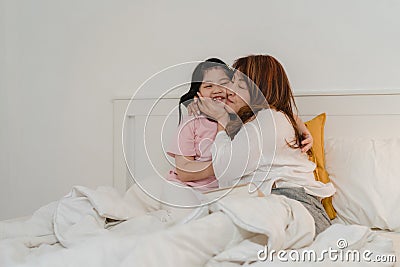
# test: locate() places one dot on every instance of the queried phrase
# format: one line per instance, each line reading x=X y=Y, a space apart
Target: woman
x=266 y=144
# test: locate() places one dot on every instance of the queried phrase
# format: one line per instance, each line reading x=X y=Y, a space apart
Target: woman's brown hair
x=269 y=88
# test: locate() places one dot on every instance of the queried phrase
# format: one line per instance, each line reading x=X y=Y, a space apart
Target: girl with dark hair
x=194 y=137
x=223 y=74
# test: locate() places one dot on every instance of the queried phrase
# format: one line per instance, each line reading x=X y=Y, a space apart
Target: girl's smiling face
x=214 y=84
x=238 y=94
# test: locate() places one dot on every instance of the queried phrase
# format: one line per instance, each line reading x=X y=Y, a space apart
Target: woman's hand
x=213 y=109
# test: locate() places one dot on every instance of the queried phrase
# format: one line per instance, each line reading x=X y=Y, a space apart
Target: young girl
x=191 y=145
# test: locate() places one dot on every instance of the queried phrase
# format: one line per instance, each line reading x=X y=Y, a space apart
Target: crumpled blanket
x=101 y=228
x=85 y=212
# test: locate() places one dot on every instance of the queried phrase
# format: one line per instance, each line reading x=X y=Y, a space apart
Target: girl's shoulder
x=193 y=119
x=187 y=119
x=197 y=122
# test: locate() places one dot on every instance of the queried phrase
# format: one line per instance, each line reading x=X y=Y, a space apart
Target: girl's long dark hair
x=197 y=80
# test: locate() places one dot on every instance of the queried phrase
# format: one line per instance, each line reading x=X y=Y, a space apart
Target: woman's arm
x=190 y=170
x=233 y=159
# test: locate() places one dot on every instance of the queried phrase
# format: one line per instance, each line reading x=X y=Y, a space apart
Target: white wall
x=66 y=60
x=3 y=112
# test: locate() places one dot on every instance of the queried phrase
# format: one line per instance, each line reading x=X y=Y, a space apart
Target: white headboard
x=350 y=114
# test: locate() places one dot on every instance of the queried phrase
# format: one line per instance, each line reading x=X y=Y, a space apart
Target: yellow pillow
x=317 y=155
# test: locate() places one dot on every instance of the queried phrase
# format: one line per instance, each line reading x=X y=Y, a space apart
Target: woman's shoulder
x=270 y=115
x=277 y=116
x=271 y=118
x=262 y=122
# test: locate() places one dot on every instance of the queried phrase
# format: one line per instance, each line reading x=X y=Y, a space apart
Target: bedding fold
x=101 y=228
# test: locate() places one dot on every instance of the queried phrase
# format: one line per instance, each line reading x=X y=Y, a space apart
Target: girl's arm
x=190 y=170
x=308 y=141
x=183 y=148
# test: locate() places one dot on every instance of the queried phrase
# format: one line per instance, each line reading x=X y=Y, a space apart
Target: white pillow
x=366 y=174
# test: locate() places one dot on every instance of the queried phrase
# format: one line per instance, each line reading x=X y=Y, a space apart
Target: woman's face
x=238 y=93
x=214 y=84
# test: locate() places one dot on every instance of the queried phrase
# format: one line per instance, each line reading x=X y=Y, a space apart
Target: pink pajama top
x=194 y=137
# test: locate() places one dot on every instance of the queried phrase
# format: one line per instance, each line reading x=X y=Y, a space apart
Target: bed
x=362 y=147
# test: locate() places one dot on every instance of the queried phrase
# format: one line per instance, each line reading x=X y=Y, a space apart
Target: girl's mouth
x=219 y=98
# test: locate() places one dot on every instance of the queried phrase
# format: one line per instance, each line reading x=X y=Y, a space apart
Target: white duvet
x=101 y=228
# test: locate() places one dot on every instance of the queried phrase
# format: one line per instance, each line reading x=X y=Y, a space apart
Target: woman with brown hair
x=258 y=139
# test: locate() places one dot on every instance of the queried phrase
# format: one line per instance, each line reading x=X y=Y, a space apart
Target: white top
x=260 y=154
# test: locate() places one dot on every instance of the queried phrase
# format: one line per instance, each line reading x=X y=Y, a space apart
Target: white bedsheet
x=395 y=238
x=74 y=232
x=358 y=238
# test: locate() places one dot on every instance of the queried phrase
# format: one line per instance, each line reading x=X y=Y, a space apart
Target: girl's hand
x=193 y=108
x=213 y=109
x=307 y=142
